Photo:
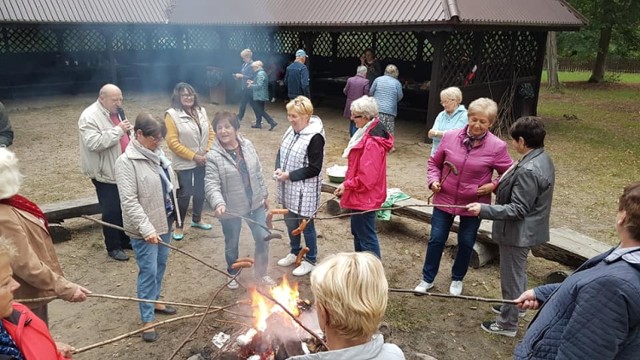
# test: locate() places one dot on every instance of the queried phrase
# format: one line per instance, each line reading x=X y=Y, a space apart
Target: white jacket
x=99 y=143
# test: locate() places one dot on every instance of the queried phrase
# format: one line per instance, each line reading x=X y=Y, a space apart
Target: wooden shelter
x=53 y=46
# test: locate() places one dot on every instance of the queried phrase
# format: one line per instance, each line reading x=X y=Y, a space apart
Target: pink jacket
x=365 y=184
x=475 y=168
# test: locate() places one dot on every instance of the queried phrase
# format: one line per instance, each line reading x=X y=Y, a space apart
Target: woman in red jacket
x=365 y=184
x=23 y=336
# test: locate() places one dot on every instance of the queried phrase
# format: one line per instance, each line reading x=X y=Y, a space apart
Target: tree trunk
x=552 y=61
x=603 y=49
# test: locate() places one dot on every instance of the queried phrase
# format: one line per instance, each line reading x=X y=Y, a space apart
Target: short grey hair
x=246 y=52
x=361 y=70
x=451 y=93
x=257 y=64
x=366 y=106
x=10 y=177
x=483 y=106
x=392 y=70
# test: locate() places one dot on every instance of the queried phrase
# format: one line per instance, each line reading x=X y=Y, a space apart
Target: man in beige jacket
x=104 y=135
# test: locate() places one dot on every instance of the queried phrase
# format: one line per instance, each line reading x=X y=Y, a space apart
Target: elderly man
x=104 y=135
x=246 y=76
x=387 y=91
x=6 y=132
x=297 y=77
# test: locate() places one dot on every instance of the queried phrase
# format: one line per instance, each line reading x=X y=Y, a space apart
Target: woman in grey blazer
x=520 y=216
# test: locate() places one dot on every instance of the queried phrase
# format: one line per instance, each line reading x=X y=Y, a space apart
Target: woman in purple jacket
x=475 y=153
x=356 y=87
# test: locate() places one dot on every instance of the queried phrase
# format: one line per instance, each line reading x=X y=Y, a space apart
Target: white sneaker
x=273 y=99
x=456 y=288
x=304 y=268
x=288 y=260
x=423 y=286
x=267 y=280
x=233 y=285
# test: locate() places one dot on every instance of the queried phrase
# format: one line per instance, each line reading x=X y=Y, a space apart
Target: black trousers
x=109 y=200
x=247 y=98
x=261 y=112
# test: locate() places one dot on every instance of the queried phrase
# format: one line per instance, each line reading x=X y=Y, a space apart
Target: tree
x=552 y=60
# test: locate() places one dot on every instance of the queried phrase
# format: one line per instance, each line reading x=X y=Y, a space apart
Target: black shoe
x=118 y=255
x=150 y=336
x=168 y=310
x=273 y=126
x=127 y=246
x=256 y=126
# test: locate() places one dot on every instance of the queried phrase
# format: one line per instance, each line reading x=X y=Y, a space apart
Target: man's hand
x=238 y=76
x=125 y=125
x=527 y=301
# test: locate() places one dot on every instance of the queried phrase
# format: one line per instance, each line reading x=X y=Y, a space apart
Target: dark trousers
x=261 y=112
x=247 y=98
x=292 y=221
x=191 y=184
x=363 y=228
x=352 y=127
x=109 y=200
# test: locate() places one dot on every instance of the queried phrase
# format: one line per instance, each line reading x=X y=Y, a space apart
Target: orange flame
x=285 y=294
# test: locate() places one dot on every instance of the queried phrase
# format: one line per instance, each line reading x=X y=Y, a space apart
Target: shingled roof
x=298 y=13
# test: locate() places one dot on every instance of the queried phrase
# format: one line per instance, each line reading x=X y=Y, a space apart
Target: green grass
x=566 y=76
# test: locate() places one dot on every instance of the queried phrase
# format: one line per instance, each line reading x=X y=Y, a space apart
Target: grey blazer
x=523 y=202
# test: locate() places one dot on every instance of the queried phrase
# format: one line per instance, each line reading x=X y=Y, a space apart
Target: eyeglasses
x=156 y=139
x=357 y=116
x=187 y=96
x=442 y=102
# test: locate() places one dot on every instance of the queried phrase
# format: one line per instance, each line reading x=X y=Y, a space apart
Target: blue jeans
x=152 y=262
x=440 y=226
x=191 y=184
x=363 y=228
x=292 y=221
x=231 y=230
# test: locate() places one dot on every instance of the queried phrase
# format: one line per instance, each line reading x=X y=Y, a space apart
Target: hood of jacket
x=315 y=126
x=379 y=134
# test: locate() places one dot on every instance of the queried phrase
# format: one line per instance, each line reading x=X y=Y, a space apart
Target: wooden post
x=542 y=39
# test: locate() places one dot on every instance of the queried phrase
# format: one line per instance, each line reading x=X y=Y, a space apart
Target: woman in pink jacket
x=475 y=153
x=365 y=184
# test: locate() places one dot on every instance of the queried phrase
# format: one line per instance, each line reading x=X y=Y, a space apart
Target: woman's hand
x=474 y=208
x=485 y=189
x=436 y=187
x=433 y=133
x=266 y=204
x=281 y=175
x=220 y=210
x=65 y=349
x=153 y=238
x=80 y=294
x=200 y=160
x=339 y=190
x=527 y=301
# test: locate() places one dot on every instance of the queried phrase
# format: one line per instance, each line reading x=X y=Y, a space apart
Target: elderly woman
x=454 y=116
x=351 y=294
x=298 y=166
x=520 y=216
x=189 y=137
x=18 y=341
x=373 y=65
x=144 y=183
x=35 y=265
x=365 y=184
x=234 y=185
x=260 y=87
x=356 y=87
x=387 y=91
x=459 y=173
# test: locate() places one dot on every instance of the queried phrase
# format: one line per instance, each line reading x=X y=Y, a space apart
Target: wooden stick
x=103 y=223
x=294 y=318
x=213 y=298
x=264 y=226
x=124 y=336
x=462 y=297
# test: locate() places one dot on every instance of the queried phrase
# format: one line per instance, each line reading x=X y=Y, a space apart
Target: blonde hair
x=353 y=290
x=301 y=105
x=365 y=105
x=246 y=52
x=451 y=93
x=483 y=106
x=10 y=177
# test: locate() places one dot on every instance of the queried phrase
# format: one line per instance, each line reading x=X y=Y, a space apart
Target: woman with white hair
x=365 y=184
x=351 y=293
x=356 y=87
x=387 y=91
x=23 y=223
x=454 y=116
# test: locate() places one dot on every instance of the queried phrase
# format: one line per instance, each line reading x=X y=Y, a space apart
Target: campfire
x=275 y=335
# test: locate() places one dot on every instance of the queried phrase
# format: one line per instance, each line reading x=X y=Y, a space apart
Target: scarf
x=356 y=138
x=161 y=162
x=22 y=203
x=470 y=139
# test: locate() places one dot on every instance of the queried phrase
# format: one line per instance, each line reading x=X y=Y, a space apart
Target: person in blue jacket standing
x=297 y=77
x=454 y=116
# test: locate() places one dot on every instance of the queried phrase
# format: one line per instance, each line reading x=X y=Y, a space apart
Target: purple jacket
x=475 y=168
x=356 y=87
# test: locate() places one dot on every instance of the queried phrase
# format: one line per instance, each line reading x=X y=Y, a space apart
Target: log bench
x=566 y=246
x=59 y=211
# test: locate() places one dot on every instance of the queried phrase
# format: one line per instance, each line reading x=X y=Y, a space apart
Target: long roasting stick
x=383 y=208
x=461 y=297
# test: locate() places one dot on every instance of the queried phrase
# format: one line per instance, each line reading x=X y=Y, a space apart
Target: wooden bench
x=565 y=246
x=59 y=211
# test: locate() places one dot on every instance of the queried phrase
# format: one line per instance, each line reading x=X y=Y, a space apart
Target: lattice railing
x=30 y=40
x=74 y=40
x=427 y=51
x=3 y=41
x=202 y=38
x=163 y=39
x=495 y=60
x=458 y=59
x=352 y=44
x=258 y=41
x=323 y=44
x=525 y=53
x=397 y=45
x=286 y=42
x=129 y=39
